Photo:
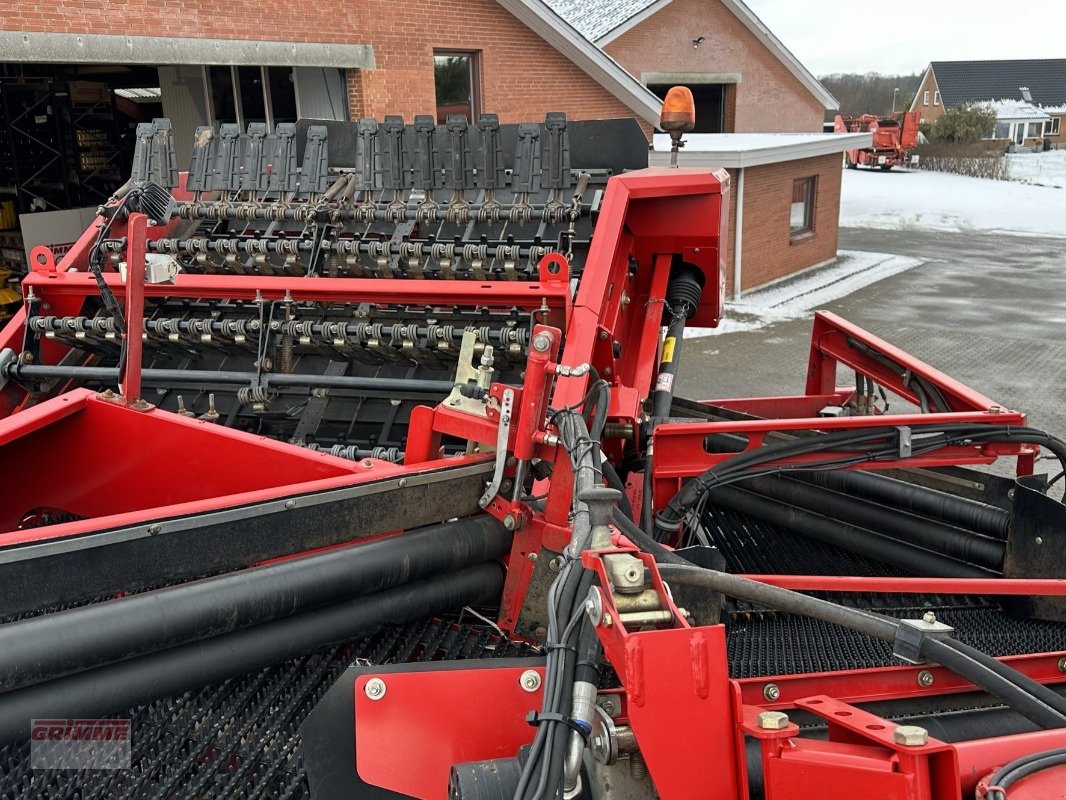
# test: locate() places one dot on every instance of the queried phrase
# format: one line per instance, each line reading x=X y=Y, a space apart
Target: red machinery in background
x=362 y=475
x=894 y=139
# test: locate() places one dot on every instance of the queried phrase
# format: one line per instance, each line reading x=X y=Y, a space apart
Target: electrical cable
x=1023 y=767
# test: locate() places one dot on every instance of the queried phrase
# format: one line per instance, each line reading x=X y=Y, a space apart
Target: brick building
x=784 y=206
x=743 y=78
x=75 y=80
x=1028 y=96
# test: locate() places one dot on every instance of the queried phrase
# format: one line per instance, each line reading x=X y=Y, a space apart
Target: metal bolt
x=771 y=692
x=772 y=720
x=1062 y=665
x=994 y=409
x=603 y=335
x=609 y=706
x=366 y=462
x=290 y=505
x=929 y=618
x=375 y=688
x=925 y=678
x=510 y=522
x=154 y=529
x=556 y=564
x=403 y=482
x=530 y=680
x=607 y=621
x=540 y=632
x=541 y=342
x=533 y=557
x=638 y=768
x=1039 y=540
x=910 y=736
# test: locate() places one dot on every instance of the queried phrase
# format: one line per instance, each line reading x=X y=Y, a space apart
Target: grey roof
x=594 y=19
x=974 y=81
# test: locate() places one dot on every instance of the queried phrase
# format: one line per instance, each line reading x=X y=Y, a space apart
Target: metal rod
x=172 y=377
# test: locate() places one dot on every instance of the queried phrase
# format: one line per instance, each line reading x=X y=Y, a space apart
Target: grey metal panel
x=321 y=93
x=185 y=105
x=96 y=48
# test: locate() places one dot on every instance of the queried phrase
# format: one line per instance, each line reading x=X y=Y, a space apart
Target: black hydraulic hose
x=1044 y=693
x=615 y=482
x=52 y=645
x=849 y=537
x=876 y=626
x=952 y=509
x=117 y=687
x=965 y=546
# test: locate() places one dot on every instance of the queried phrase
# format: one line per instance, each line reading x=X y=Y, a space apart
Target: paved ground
x=988 y=310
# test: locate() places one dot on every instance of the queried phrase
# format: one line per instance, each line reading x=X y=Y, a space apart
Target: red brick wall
x=930 y=112
x=769 y=252
x=768 y=97
x=522 y=77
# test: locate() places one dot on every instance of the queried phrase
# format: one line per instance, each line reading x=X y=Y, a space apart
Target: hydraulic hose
x=112 y=689
x=1004 y=686
x=49 y=646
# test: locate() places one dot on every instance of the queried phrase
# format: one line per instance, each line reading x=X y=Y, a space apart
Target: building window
x=1051 y=127
x=936 y=98
x=243 y=95
x=925 y=98
x=457 y=84
x=1036 y=130
x=801 y=216
x=1002 y=131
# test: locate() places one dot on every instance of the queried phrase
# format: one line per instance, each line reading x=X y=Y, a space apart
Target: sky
x=836 y=36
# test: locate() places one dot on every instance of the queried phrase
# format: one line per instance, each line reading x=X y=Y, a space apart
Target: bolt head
x=929 y=617
x=542 y=342
x=771 y=692
x=607 y=621
x=510 y=522
x=772 y=720
x=530 y=680
x=403 y=482
x=1062 y=665
x=375 y=688
x=925 y=678
x=290 y=504
x=910 y=736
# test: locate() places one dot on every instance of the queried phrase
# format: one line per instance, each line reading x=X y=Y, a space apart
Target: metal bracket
x=904 y=441
x=910 y=635
x=502 y=436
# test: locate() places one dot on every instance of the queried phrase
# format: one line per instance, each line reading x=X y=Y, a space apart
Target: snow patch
x=795 y=298
x=940 y=201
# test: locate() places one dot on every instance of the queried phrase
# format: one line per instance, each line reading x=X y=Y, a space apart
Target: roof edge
x=556 y=31
x=632 y=22
x=764 y=34
x=760 y=155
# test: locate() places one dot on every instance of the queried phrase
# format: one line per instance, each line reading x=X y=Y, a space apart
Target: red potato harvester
x=348 y=464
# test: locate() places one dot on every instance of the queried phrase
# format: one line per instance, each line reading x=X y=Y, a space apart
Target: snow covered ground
x=1041 y=169
x=797 y=297
x=940 y=201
